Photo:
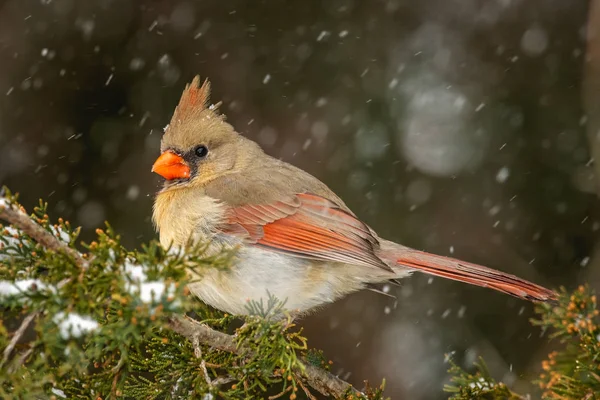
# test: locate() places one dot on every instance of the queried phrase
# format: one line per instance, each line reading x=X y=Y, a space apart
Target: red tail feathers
x=475 y=275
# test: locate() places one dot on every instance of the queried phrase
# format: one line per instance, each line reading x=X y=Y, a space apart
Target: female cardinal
x=296 y=239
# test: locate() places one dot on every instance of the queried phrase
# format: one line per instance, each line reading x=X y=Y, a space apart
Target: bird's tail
x=462 y=271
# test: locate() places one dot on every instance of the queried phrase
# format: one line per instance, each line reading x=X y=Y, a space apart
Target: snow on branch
x=16 y=216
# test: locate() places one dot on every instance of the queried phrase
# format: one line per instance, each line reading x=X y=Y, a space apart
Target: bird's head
x=198 y=145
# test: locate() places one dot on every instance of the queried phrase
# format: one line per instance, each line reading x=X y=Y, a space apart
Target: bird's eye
x=201 y=151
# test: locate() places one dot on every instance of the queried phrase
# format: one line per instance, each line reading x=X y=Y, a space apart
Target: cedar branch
x=19 y=219
x=321 y=380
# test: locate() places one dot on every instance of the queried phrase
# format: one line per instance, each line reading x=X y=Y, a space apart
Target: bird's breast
x=180 y=215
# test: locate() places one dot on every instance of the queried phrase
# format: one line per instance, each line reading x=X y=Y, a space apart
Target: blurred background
x=453 y=126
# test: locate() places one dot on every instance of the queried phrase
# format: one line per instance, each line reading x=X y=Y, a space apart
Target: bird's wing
x=305 y=225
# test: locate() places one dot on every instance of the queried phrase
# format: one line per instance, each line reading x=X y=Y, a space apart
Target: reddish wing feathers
x=308 y=226
x=475 y=275
x=311 y=226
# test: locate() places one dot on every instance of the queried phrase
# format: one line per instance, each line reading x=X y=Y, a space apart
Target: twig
x=305 y=389
x=21 y=220
x=278 y=395
x=197 y=348
x=205 y=372
x=113 y=390
x=21 y=360
x=17 y=336
x=222 y=380
x=321 y=380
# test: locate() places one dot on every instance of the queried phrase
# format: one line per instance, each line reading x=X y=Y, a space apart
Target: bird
x=293 y=238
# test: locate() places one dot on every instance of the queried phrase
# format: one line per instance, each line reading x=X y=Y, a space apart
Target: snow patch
x=74 y=325
x=61 y=234
x=59 y=393
x=154 y=290
x=9 y=240
x=148 y=291
x=135 y=272
x=8 y=288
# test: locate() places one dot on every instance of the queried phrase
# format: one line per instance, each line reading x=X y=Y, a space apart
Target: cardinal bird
x=295 y=239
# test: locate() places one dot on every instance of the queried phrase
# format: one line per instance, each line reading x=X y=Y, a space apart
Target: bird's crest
x=195 y=119
x=194 y=100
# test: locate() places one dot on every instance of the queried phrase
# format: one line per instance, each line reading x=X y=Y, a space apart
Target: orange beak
x=171 y=166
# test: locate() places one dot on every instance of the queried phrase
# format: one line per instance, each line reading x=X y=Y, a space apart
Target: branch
x=22 y=221
x=17 y=336
x=321 y=380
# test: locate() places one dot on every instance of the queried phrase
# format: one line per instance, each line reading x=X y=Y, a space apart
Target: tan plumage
x=296 y=238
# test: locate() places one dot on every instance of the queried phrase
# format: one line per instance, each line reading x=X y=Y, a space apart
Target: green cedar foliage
x=100 y=325
x=573 y=372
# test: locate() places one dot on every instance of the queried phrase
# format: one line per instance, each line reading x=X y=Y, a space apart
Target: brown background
x=453 y=126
